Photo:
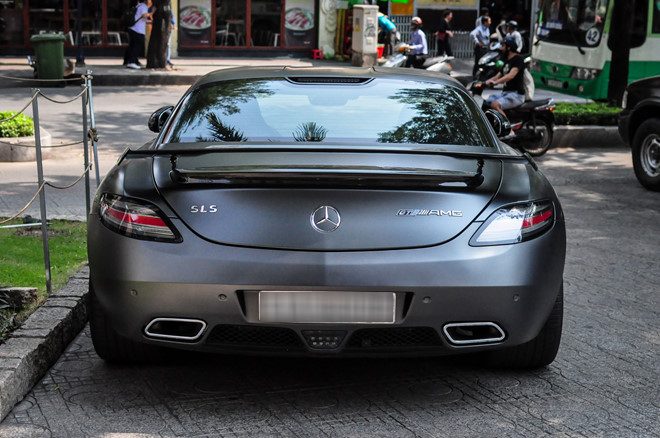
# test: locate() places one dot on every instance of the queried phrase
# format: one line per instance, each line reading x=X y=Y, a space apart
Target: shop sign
x=299 y=23
x=195 y=22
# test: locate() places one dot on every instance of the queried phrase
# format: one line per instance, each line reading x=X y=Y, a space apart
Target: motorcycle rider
x=511 y=76
x=512 y=31
x=418 y=46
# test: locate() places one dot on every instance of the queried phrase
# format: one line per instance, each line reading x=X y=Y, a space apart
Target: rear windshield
x=374 y=111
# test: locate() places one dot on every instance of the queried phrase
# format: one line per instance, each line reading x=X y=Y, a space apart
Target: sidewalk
x=110 y=71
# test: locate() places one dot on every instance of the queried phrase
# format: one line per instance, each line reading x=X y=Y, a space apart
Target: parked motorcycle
x=532 y=122
x=400 y=55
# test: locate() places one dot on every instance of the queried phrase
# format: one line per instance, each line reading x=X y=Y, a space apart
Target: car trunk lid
x=326 y=200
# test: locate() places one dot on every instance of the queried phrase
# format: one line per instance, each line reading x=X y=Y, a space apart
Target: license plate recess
x=327 y=307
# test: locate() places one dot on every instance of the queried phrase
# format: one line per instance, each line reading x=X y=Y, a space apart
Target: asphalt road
x=604 y=382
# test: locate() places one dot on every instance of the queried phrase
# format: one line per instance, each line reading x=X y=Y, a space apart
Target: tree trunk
x=619 y=43
x=160 y=34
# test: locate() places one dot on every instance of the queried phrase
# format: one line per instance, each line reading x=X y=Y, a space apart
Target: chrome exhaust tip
x=473 y=333
x=175 y=329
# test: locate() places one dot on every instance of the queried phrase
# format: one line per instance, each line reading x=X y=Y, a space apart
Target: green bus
x=571 y=54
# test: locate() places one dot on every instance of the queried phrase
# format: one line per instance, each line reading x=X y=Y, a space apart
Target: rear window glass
x=376 y=111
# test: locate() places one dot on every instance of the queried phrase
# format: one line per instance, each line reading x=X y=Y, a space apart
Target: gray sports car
x=325 y=212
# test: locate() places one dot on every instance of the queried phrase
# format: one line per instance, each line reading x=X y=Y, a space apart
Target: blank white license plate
x=327 y=307
x=554 y=83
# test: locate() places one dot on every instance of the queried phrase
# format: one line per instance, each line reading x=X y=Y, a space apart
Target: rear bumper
x=513 y=286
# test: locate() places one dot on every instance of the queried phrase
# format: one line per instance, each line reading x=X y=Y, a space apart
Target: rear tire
x=109 y=345
x=540 y=146
x=538 y=352
x=646 y=154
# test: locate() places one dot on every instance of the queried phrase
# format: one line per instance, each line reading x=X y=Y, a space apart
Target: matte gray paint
x=464 y=283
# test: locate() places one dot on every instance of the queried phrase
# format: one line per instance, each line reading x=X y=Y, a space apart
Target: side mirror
x=159 y=117
x=500 y=124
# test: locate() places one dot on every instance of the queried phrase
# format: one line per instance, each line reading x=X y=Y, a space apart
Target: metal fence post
x=93 y=127
x=86 y=148
x=42 y=193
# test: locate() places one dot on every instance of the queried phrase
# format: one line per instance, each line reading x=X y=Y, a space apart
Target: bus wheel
x=646 y=154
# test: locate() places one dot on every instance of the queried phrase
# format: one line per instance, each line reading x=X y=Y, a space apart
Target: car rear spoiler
x=346 y=176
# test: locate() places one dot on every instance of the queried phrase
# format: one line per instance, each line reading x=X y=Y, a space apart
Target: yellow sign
x=447 y=3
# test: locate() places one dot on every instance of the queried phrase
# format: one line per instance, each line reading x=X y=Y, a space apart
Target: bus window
x=572 y=22
x=656 y=17
x=640 y=23
x=639 y=27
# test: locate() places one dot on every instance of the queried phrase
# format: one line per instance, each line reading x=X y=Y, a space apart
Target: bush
x=586 y=114
x=20 y=126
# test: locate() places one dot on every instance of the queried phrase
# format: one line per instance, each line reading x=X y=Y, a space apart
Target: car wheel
x=541 y=137
x=538 y=352
x=109 y=345
x=646 y=154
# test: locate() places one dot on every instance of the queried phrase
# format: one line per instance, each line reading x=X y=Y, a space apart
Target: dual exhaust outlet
x=175 y=329
x=459 y=333
x=473 y=333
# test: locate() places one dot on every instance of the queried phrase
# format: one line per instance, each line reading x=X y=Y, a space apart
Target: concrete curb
x=587 y=136
x=38 y=343
x=11 y=150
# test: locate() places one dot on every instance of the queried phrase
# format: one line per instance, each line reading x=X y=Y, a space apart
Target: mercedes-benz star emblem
x=325 y=219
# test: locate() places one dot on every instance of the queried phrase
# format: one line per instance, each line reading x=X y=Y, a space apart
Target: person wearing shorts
x=511 y=76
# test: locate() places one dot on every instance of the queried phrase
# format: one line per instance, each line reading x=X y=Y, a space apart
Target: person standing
x=444 y=33
x=388 y=29
x=136 y=36
x=480 y=39
x=418 y=47
x=169 y=41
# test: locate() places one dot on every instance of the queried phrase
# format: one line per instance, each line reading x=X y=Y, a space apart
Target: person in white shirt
x=512 y=31
x=418 y=47
x=136 y=36
x=480 y=39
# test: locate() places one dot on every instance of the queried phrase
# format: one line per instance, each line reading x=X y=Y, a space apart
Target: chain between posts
x=90 y=134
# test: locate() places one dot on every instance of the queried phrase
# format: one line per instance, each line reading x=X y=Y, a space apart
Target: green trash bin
x=49 y=48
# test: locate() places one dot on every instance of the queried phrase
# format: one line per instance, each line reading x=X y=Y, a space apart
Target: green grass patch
x=597 y=113
x=22 y=262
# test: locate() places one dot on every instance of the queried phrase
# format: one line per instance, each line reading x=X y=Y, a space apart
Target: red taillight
x=514 y=224
x=135 y=219
x=538 y=219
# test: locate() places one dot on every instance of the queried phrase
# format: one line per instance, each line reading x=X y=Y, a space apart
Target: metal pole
x=86 y=148
x=93 y=127
x=42 y=193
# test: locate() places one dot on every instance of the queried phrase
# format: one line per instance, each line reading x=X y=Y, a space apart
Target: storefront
x=203 y=25
x=100 y=23
x=247 y=24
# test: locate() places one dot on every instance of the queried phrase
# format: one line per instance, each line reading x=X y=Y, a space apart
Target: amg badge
x=421 y=212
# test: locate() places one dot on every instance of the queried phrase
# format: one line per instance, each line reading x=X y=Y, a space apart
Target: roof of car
x=346 y=72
